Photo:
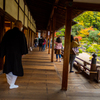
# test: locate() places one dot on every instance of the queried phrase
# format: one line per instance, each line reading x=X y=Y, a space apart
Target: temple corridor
x=42 y=81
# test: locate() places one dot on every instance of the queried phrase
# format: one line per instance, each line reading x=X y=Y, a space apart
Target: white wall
x=1 y=4
x=21 y=3
x=21 y=15
x=11 y=7
x=26 y=10
x=26 y=19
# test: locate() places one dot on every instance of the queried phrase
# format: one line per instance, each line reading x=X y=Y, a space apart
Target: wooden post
x=4 y=4
x=68 y=21
x=49 y=43
x=31 y=39
x=28 y=38
x=54 y=25
x=49 y=38
x=1 y=36
x=18 y=10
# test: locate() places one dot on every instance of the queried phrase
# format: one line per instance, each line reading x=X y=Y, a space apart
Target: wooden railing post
x=93 y=70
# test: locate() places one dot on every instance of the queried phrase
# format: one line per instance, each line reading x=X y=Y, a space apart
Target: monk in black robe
x=13 y=46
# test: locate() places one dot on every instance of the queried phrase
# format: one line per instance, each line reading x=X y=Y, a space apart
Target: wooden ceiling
x=42 y=11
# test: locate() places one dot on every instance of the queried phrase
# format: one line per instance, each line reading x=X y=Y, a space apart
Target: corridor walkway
x=42 y=81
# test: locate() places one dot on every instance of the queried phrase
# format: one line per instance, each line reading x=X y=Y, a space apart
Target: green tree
x=88 y=19
x=93 y=36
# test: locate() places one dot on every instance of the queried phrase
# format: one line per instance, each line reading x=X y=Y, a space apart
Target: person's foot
x=56 y=60
x=59 y=60
x=71 y=71
x=13 y=86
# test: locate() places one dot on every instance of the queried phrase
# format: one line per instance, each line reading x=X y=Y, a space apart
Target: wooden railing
x=82 y=65
x=85 y=68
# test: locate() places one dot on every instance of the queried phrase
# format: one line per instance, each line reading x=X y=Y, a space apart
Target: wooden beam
x=56 y=1
x=18 y=10
x=86 y=6
x=3 y=4
x=52 y=13
x=67 y=47
x=24 y=16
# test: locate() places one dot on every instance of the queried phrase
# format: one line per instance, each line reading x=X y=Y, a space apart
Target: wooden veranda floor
x=42 y=81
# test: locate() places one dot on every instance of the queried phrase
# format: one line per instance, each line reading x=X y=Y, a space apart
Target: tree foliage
x=61 y=32
x=88 y=25
x=88 y=19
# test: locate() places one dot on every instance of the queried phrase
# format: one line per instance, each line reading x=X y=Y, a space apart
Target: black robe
x=41 y=42
x=13 y=46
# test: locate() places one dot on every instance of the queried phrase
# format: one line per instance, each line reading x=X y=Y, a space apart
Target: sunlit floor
x=42 y=81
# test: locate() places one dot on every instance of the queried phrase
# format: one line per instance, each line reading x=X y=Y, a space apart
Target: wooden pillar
x=47 y=39
x=50 y=36
x=1 y=27
x=1 y=36
x=31 y=39
x=68 y=21
x=28 y=38
x=18 y=10
x=54 y=25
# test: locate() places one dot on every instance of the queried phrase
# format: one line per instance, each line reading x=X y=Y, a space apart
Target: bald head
x=18 y=24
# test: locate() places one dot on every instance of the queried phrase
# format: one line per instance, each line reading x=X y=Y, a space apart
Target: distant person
x=44 y=44
x=48 y=43
x=77 y=40
x=35 y=42
x=74 y=44
x=58 y=46
x=77 y=49
x=40 y=43
x=13 y=46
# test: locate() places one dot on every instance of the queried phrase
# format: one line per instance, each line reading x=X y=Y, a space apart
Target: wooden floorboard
x=42 y=81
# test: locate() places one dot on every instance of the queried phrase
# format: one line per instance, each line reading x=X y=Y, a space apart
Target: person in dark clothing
x=40 y=43
x=13 y=46
x=48 y=43
x=73 y=44
x=35 y=42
